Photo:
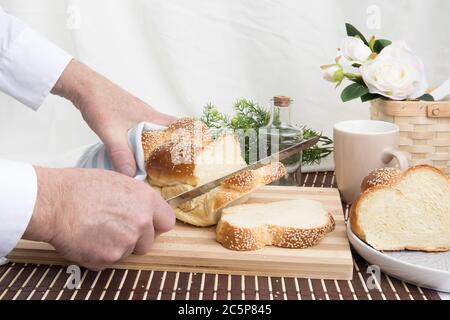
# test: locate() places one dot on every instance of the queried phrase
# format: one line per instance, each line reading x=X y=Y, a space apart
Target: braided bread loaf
x=186 y=156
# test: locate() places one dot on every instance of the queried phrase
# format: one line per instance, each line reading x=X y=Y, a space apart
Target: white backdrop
x=180 y=54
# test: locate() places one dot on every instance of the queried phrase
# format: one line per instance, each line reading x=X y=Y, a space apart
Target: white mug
x=362 y=146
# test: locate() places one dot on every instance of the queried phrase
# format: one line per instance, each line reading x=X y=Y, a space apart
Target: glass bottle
x=280 y=134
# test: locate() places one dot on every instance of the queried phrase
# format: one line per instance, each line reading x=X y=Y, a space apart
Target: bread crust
x=380 y=177
x=184 y=127
x=249 y=239
x=354 y=211
x=172 y=160
x=163 y=169
x=151 y=140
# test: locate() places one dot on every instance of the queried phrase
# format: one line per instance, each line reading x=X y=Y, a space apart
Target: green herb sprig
x=318 y=152
x=213 y=118
x=249 y=115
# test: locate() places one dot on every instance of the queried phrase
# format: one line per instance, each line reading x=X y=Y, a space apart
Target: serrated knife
x=279 y=156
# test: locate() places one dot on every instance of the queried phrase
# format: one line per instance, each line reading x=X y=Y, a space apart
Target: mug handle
x=400 y=156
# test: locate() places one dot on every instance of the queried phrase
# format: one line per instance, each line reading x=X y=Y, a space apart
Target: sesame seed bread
x=380 y=177
x=295 y=224
x=206 y=210
x=191 y=156
x=186 y=156
x=181 y=128
x=409 y=211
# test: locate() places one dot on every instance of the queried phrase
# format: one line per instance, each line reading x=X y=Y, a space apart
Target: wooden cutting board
x=191 y=249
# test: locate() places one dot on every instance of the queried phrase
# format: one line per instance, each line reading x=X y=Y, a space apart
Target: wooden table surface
x=40 y=282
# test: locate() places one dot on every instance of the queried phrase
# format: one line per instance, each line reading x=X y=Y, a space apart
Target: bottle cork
x=282 y=101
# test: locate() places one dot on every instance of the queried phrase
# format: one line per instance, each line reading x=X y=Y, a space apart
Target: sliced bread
x=205 y=210
x=289 y=224
x=408 y=211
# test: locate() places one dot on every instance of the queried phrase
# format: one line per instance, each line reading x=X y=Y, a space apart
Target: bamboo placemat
x=38 y=282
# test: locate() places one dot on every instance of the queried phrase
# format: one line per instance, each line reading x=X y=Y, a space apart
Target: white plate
x=428 y=270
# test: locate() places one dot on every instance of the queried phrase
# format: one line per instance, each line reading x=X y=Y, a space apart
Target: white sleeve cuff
x=30 y=64
x=18 y=192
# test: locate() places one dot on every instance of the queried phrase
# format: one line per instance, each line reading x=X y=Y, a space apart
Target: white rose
x=396 y=73
x=333 y=73
x=355 y=50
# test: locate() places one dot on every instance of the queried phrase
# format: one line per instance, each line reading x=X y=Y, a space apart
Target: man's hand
x=96 y=218
x=109 y=110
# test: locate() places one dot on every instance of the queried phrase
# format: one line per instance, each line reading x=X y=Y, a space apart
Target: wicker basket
x=424 y=129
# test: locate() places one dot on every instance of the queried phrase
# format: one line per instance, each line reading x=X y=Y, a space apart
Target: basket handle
x=438 y=111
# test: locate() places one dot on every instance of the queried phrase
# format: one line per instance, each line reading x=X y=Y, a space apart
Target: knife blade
x=279 y=156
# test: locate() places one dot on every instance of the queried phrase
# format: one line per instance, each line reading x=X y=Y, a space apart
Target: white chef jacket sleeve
x=30 y=64
x=18 y=192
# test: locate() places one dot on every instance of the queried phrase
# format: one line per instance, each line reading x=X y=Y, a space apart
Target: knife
x=279 y=156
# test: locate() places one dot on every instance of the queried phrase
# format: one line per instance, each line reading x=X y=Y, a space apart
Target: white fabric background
x=179 y=55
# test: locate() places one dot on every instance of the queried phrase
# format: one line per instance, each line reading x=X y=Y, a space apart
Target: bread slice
x=205 y=210
x=289 y=224
x=410 y=212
